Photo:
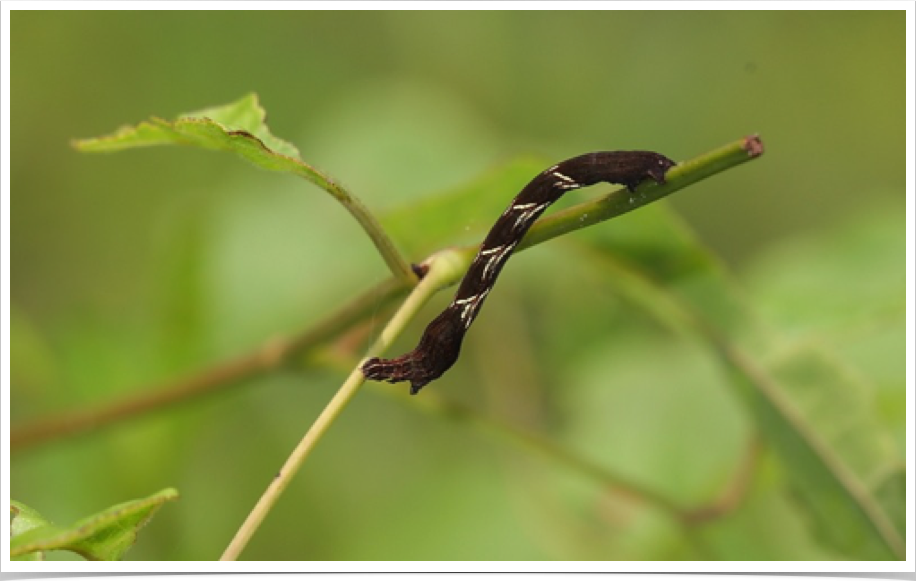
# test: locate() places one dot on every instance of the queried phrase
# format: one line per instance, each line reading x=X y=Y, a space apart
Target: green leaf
x=105 y=536
x=23 y=519
x=821 y=422
x=842 y=352
x=832 y=448
x=240 y=128
x=237 y=127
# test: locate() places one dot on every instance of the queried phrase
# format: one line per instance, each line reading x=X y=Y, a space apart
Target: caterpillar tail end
x=394 y=371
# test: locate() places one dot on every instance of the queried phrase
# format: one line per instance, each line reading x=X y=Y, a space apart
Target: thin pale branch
x=438 y=270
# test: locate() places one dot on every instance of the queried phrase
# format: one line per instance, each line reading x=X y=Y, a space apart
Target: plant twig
x=622 y=201
x=268 y=357
x=233 y=372
x=439 y=268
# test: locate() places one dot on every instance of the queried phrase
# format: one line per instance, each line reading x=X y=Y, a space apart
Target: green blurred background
x=135 y=269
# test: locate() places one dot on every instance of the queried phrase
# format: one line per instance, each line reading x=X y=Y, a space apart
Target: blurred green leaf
x=841 y=353
x=819 y=421
x=850 y=452
x=105 y=536
x=842 y=290
x=891 y=494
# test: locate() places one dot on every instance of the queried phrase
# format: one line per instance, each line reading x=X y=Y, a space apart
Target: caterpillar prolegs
x=441 y=342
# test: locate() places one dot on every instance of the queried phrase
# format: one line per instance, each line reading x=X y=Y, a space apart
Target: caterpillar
x=440 y=344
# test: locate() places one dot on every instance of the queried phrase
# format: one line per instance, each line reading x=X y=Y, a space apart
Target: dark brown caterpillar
x=441 y=342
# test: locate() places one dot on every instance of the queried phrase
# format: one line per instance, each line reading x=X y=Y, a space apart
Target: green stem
x=270 y=356
x=622 y=201
x=396 y=263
